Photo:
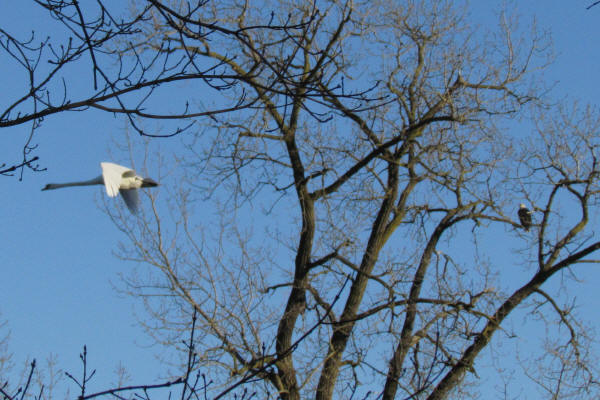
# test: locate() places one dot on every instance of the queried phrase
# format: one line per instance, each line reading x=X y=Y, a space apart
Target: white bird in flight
x=116 y=179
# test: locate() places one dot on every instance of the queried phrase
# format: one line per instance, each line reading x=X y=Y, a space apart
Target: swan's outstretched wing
x=112 y=175
x=131 y=198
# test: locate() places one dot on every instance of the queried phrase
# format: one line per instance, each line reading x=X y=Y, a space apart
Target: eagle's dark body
x=525 y=217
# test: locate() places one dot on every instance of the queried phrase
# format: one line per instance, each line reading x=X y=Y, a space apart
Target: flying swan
x=116 y=179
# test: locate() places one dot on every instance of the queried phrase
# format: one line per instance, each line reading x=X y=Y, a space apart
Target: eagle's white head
x=522 y=205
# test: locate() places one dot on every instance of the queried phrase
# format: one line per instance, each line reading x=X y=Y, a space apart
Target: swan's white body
x=116 y=179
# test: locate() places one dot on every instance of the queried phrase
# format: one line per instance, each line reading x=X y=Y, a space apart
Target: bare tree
x=374 y=284
x=360 y=170
x=35 y=384
x=123 y=78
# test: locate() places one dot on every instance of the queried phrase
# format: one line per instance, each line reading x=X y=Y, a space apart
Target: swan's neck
x=95 y=181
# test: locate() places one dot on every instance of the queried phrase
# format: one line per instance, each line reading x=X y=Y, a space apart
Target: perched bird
x=525 y=217
x=116 y=179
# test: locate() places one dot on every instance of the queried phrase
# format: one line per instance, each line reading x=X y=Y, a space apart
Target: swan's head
x=147 y=182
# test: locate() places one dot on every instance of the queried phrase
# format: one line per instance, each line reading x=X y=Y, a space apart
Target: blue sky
x=57 y=247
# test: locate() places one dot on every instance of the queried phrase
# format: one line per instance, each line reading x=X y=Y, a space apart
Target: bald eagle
x=525 y=217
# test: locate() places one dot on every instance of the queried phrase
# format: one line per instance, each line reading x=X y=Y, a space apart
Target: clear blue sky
x=57 y=247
